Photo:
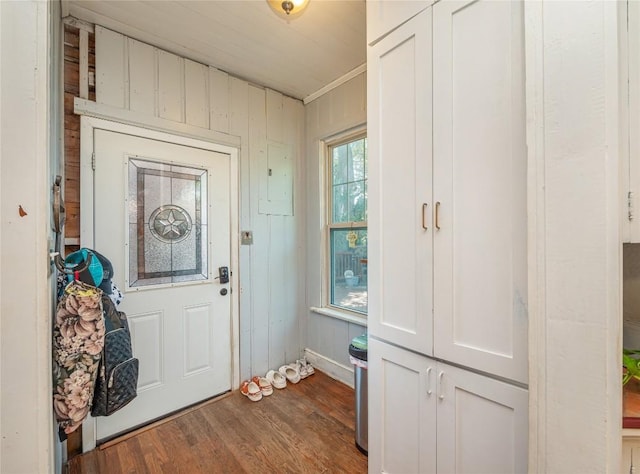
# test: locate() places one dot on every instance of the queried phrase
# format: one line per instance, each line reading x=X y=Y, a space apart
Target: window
x=347 y=224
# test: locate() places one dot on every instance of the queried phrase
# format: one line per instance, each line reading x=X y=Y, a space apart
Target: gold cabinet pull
x=424 y=212
x=437 y=219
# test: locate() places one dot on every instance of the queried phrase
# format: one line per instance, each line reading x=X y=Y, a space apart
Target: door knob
x=223 y=291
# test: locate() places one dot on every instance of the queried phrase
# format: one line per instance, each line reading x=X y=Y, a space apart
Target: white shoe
x=290 y=372
x=302 y=368
x=277 y=379
x=251 y=390
x=308 y=366
x=265 y=386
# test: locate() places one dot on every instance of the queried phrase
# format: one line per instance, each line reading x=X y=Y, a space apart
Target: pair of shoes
x=290 y=372
x=304 y=368
x=251 y=390
x=264 y=384
x=278 y=380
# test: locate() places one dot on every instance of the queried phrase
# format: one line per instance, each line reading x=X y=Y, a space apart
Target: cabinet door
x=480 y=186
x=482 y=424
x=402 y=410
x=400 y=170
x=384 y=15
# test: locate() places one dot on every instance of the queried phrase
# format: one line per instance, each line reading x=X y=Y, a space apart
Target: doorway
x=163 y=210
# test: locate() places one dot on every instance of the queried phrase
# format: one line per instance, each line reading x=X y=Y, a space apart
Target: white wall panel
x=295 y=304
x=26 y=415
x=574 y=224
x=274 y=116
x=279 y=283
x=196 y=78
x=355 y=97
x=161 y=84
x=238 y=124
x=170 y=86
x=260 y=280
x=111 y=68
x=325 y=111
x=219 y=97
x=339 y=110
x=143 y=75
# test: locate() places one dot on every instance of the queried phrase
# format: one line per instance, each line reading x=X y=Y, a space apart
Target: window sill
x=342 y=315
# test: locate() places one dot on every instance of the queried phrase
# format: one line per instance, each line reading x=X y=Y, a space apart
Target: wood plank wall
x=138 y=77
x=72 y=126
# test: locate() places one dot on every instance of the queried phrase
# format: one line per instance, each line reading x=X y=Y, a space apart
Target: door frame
x=87 y=126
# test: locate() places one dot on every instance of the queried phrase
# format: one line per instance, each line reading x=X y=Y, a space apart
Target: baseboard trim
x=330 y=367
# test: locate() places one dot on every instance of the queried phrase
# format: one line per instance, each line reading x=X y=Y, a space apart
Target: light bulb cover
x=288 y=9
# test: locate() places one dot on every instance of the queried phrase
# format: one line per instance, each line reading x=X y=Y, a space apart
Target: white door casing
x=183 y=333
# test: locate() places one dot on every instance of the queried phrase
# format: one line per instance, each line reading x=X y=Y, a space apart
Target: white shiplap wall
x=342 y=109
x=141 y=78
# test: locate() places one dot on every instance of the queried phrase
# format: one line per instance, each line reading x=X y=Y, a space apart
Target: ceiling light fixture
x=288 y=9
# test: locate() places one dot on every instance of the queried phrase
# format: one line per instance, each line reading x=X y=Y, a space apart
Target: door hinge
x=93 y=161
x=630 y=205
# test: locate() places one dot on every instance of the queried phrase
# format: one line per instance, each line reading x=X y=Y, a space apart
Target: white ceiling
x=245 y=37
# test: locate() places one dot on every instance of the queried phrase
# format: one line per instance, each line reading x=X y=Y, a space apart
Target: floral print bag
x=78 y=341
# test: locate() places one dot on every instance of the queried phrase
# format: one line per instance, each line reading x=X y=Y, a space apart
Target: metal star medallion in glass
x=167 y=211
x=170 y=224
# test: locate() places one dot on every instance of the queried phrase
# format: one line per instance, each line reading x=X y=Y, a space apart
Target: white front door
x=162 y=216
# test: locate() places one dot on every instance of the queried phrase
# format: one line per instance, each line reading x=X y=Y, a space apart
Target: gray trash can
x=358 y=357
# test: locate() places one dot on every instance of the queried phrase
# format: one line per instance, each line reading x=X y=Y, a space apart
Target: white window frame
x=326 y=197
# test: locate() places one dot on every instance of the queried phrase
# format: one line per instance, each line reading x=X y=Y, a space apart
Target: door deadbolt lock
x=223 y=275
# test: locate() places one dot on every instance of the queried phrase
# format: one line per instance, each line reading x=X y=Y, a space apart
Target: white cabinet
x=448 y=241
x=433 y=417
x=448 y=187
x=480 y=186
x=400 y=148
x=385 y=15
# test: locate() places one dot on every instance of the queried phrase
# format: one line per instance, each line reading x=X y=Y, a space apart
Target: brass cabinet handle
x=424 y=212
x=437 y=219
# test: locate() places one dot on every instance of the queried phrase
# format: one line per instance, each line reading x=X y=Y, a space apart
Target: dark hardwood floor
x=305 y=428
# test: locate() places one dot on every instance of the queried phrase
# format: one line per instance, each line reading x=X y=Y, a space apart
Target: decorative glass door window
x=167 y=215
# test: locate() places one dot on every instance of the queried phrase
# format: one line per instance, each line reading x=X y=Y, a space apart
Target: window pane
x=339 y=165
x=357 y=160
x=349 y=268
x=357 y=202
x=340 y=203
x=349 y=182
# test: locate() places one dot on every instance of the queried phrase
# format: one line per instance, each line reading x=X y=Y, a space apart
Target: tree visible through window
x=347 y=224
